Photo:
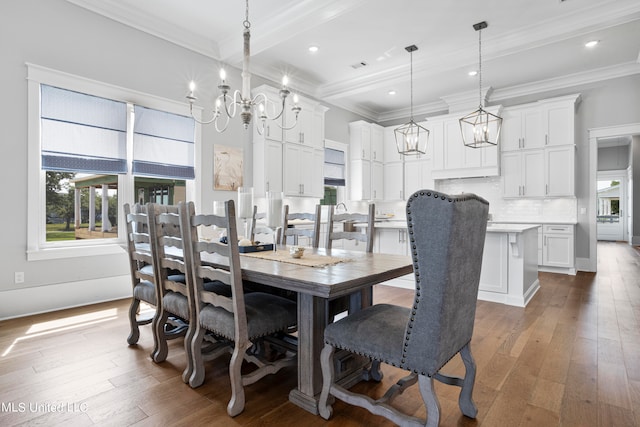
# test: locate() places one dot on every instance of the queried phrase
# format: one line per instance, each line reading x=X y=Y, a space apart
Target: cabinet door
x=533 y=128
x=560 y=121
x=512 y=174
x=302 y=129
x=558 y=250
x=292 y=169
x=391 y=241
x=377 y=181
x=511 y=133
x=313 y=177
x=317 y=129
x=377 y=143
x=360 y=140
x=390 y=148
x=494 y=273
x=273 y=166
x=435 y=145
x=393 y=181
x=360 y=180
x=412 y=177
x=533 y=173
x=560 y=176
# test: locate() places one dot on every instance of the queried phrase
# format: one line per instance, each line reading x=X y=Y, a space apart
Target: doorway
x=611 y=207
x=590 y=263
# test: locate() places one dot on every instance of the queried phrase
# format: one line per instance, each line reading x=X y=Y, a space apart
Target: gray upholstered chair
x=447 y=240
x=246 y=321
x=295 y=232
x=141 y=267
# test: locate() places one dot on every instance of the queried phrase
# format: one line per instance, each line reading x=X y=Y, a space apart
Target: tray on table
x=256 y=248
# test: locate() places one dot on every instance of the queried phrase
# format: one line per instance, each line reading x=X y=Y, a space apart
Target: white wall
x=59 y=35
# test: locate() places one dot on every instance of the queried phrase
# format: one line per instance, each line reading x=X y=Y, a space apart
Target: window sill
x=74 y=252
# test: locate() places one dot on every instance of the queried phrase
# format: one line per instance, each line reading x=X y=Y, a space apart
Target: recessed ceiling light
x=313 y=49
x=473 y=73
x=592 y=43
x=392 y=92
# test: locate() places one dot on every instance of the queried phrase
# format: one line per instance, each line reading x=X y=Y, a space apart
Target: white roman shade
x=334 y=167
x=163 y=144
x=82 y=133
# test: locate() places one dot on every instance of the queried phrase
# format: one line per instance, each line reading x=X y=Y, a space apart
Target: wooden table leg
x=312 y=319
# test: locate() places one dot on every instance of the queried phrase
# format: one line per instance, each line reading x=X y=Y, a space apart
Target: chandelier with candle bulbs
x=226 y=106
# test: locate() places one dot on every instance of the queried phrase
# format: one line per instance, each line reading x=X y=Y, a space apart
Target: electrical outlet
x=19 y=277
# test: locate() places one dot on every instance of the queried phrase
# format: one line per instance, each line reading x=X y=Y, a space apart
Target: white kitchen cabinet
x=522 y=173
x=295 y=166
x=559 y=171
x=390 y=147
x=452 y=159
x=267 y=166
x=377 y=181
x=417 y=176
x=558 y=246
x=522 y=128
x=393 y=181
x=392 y=241
x=302 y=174
x=545 y=123
x=377 y=143
x=360 y=140
x=366 y=151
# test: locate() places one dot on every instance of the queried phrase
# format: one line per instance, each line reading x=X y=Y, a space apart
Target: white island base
x=510 y=264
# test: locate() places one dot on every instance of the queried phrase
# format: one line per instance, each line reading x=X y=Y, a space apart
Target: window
x=90 y=152
x=334 y=173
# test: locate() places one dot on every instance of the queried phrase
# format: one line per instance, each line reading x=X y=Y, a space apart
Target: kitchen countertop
x=492 y=227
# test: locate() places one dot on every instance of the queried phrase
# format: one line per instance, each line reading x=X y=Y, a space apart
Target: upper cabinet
x=289 y=160
x=538 y=149
x=548 y=122
x=452 y=159
x=366 y=153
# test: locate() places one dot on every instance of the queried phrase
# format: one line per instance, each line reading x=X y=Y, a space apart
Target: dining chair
x=247 y=321
x=170 y=272
x=140 y=267
x=271 y=235
x=447 y=236
x=346 y=230
x=295 y=232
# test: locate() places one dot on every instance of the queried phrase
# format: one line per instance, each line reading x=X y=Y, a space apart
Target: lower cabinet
x=558 y=246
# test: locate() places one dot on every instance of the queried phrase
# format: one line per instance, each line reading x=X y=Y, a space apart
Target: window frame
x=37 y=246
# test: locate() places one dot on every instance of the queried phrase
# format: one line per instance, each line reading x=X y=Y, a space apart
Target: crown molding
x=149 y=24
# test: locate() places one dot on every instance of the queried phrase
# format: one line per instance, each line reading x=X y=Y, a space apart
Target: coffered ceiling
x=529 y=47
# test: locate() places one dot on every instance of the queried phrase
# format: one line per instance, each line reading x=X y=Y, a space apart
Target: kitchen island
x=509 y=265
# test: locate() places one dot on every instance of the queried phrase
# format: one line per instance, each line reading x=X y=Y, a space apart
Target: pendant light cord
x=246 y=22
x=480 y=67
x=411 y=85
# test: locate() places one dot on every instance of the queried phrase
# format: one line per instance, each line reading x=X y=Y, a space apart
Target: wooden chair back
x=313 y=234
x=348 y=231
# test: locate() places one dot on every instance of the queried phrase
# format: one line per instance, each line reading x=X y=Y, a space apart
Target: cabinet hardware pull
x=546 y=140
x=363 y=153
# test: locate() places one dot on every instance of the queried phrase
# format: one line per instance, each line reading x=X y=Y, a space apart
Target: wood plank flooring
x=571 y=358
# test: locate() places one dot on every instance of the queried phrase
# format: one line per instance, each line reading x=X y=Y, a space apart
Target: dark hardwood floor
x=571 y=358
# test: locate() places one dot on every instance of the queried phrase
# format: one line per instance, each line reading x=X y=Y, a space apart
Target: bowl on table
x=296 y=251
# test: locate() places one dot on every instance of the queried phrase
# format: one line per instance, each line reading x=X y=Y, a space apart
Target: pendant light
x=411 y=138
x=480 y=128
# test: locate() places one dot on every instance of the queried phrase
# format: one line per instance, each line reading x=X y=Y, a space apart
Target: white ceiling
x=529 y=47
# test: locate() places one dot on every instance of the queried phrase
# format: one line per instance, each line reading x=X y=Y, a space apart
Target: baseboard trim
x=42 y=299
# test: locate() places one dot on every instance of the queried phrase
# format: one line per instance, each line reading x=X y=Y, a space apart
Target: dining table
x=319 y=276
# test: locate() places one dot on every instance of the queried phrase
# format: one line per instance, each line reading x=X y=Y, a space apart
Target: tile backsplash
x=525 y=210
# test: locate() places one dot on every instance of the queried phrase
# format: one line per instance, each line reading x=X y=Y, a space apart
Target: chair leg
x=328 y=373
x=236 y=404
x=465 y=401
x=161 y=349
x=135 y=330
x=430 y=400
x=188 y=349
x=196 y=377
